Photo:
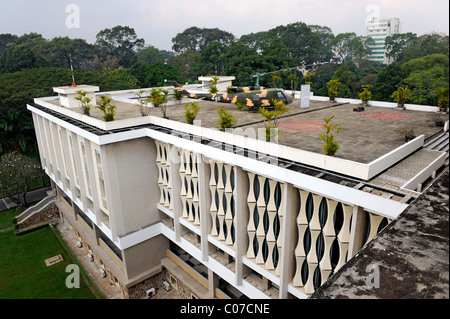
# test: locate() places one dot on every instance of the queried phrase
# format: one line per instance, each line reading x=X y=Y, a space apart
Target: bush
x=191 y=111
x=331 y=145
x=226 y=120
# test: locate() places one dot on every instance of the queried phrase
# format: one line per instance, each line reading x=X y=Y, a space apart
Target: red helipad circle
x=303 y=126
x=385 y=116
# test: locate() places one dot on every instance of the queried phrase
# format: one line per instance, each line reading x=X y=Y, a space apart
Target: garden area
x=23 y=271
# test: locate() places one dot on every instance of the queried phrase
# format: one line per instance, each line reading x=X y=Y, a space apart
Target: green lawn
x=23 y=273
x=7 y=217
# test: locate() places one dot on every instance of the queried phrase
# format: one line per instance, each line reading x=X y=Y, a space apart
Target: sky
x=158 y=21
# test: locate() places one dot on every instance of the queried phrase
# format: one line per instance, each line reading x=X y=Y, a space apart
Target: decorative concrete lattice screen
x=324 y=232
x=264 y=224
x=164 y=181
x=189 y=187
x=323 y=239
x=324 y=226
x=222 y=210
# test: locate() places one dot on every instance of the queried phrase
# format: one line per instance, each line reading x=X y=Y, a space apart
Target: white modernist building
x=378 y=30
x=213 y=214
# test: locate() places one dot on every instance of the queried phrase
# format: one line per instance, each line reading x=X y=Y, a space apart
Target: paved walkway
x=408 y=260
x=33 y=196
x=92 y=269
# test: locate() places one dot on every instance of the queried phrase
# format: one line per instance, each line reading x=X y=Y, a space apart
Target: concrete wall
x=130 y=174
x=147 y=255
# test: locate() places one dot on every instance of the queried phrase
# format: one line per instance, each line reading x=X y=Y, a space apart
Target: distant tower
x=378 y=30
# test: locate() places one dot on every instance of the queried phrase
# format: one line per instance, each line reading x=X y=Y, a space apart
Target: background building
x=378 y=30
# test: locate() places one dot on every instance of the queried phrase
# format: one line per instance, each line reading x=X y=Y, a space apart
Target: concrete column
x=357 y=231
x=58 y=155
x=289 y=240
x=176 y=189
x=90 y=155
x=71 y=173
x=52 y=157
x=240 y=219
x=203 y=205
x=41 y=148
x=112 y=189
x=79 y=168
x=213 y=283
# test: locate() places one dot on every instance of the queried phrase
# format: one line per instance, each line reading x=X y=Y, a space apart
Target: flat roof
x=366 y=136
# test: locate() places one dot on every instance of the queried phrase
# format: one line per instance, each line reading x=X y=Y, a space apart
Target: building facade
x=158 y=203
x=378 y=30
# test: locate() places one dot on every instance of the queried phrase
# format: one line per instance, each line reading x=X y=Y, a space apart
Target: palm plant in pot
x=401 y=95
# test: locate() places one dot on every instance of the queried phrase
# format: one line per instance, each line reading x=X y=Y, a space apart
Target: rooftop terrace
x=370 y=146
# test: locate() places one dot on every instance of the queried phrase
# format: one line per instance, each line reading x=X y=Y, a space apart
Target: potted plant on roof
x=308 y=81
x=365 y=94
x=158 y=97
x=191 y=110
x=443 y=98
x=272 y=119
x=333 y=86
x=408 y=132
x=294 y=80
x=438 y=120
x=84 y=102
x=401 y=95
x=109 y=110
x=226 y=120
x=331 y=145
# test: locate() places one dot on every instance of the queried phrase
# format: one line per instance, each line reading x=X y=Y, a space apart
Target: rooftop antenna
x=71 y=67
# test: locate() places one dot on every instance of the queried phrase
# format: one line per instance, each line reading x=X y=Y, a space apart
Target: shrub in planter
x=226 y=119
x=333 y=86
x=401 y=95
x=365 y=94
x=191 y=111
x=84 y=102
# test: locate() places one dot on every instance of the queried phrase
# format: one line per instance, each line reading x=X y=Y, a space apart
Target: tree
x=210 y=60
x=347 y=79
x=425 y=76
x=60 y=51
x=16 y=174
x=7 y=39
x=350 y=47
x=301 y=42
x=387 y=81
x=243 y=62
x=397 y=43
x=323 y=53
x=157 y=72
x=196 y=39
x=185 y=64
x=151 y=54
x=121 y=42
x=98 y=64
x=15 y=130
x=16 y=58
x=427 y=44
